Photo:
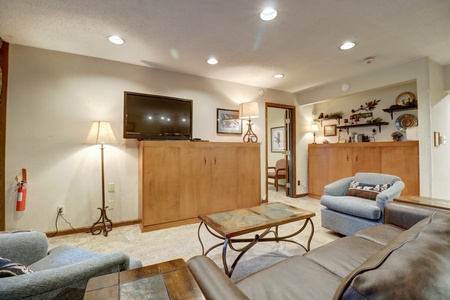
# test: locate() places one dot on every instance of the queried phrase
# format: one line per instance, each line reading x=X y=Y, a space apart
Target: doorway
x=280 y=144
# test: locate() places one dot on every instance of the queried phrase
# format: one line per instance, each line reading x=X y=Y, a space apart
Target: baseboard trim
x=301 y=195
x=88 y=229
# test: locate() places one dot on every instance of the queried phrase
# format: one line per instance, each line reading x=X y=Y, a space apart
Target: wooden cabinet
x=180 y=180
x=330 y=162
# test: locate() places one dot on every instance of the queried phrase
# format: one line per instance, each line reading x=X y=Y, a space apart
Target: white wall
x=52 y=99
x=440 y=112
x=345 y=104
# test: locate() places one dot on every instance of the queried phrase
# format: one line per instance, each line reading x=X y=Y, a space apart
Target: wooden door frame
x=4 y=50
x=293 y=143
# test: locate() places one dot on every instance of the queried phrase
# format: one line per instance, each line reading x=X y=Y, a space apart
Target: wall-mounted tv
x=156 y=117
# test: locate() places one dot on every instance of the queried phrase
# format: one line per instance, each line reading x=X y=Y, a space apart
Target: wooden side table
x=167 y=280
x=425 y=201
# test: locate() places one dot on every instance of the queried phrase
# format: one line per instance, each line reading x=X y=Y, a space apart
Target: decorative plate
x=405 y=121
x=405 y=99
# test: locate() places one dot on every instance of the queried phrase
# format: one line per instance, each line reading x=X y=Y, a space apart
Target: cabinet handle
x=347 y=157
x=356 y=157
x=214 y=160
x=204 y=159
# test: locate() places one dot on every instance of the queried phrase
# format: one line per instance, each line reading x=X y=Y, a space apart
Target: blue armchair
x=355 y=203
x=61 y=273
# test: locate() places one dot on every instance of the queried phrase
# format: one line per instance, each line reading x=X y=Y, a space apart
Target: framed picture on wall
x=329 y=130
x=228 y=121
x=277 y=139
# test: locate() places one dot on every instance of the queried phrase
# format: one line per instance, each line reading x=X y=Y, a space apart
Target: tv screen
x=156 y=117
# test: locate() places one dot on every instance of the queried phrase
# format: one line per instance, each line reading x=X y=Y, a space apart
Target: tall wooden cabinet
x=330 y=162
x=180 y=180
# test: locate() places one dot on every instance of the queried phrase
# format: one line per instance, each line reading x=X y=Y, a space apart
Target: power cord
x=302 y=186
x=60 y=214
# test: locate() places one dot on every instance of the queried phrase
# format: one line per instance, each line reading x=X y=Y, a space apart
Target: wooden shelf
x=338 y=119
x=391 y=110
x=378 y=125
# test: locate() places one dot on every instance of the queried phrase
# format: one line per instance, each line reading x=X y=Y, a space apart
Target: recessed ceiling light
x=116 y=40
x=212 y=61
x=268 y=14
x=347 y=46
x=278 y=76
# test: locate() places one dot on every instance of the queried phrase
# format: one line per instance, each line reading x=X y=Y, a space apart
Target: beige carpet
x=182 y=242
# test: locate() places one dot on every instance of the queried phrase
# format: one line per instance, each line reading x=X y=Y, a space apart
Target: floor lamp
x=101 y=133
x=249 y=111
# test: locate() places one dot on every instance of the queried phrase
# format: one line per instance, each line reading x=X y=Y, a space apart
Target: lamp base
x=250 y=136
x=103 y=223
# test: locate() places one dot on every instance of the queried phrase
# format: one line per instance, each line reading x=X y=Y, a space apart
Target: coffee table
x=230 y=224
x=166 y=280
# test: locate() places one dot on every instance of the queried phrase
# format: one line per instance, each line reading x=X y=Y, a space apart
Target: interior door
x=281 y=116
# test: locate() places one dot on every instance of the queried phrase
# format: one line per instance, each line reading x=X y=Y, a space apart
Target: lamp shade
x=314 y=128
x=248 y=110
x=100 y=133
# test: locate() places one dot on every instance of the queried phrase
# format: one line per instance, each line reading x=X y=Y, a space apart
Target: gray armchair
x=355 y=203
x=61 y=273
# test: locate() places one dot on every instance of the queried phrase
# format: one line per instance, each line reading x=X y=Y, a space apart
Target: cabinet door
x=340 y=163
x=366 y=159
x=196 y=173
x=403 y=161
x=249 y=172
x=160 y=184
x=224 y=178
x=317 y=170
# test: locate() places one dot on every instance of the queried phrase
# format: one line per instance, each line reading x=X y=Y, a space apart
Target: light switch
x=111 y=188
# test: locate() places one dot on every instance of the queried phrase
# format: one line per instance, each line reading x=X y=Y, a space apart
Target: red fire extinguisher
x=22 y=192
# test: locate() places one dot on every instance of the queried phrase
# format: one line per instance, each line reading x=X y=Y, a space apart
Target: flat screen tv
x=153 y=117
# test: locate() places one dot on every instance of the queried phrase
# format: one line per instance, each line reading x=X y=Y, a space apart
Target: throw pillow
x=365 y=190
x=9 y=268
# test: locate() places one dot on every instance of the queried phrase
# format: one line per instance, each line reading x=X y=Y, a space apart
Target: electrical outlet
x=61 y=209
x=298 y=183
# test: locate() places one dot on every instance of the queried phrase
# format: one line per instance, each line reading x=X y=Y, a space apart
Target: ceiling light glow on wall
x=212 y=61
x=116 y=40
x=278 y=76
x=268 y=14
x=347 y=46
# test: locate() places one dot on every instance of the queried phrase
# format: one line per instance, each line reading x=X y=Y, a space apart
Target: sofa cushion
x=293 y=278
x=365 y=190
x=381 y=234
x=344 y=255
x=9 y=268
x=415 y=265
x=355 y=206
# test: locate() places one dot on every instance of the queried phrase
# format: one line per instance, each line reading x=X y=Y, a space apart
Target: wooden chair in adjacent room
x=276 y=173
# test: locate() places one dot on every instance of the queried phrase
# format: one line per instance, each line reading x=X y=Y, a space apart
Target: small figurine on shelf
x=397 y=136
x=321 y=116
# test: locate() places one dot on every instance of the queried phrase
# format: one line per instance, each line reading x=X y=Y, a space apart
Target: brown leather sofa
x=407 y=257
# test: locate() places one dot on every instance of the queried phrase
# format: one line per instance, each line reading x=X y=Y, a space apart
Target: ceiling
x=180 y=35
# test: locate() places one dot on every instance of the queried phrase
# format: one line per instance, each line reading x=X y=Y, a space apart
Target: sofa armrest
x=212 y=280
x=338 y=188
x=23 y=247
x=62 y=281
x=404 y=215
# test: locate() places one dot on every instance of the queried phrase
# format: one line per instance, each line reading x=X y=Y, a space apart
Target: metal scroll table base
x=229 y=242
